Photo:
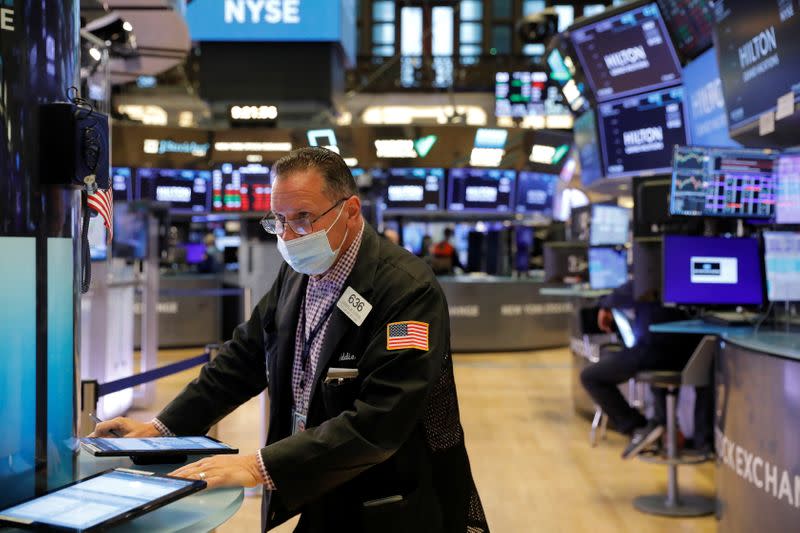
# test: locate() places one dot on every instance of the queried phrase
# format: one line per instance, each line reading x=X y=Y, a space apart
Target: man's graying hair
x=339 y=182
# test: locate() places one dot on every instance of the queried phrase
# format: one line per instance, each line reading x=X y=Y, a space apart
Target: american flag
x=103 y=202
x=402 y=335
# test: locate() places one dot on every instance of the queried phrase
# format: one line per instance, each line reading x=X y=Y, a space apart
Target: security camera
x=538 y=27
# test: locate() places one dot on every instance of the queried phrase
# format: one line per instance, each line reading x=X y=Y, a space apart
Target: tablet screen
x=157 y=444
x=96 y=500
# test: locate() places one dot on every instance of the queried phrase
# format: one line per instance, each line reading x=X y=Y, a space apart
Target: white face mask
x=311 y=254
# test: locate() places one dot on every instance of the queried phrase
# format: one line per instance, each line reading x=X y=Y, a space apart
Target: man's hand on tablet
x=125 y=427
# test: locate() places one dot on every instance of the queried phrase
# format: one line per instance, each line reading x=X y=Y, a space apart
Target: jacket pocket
x=394 y=514
x=339 y=396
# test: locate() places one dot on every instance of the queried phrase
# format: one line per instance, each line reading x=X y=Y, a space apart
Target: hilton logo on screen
x=643 y=140
x=626 y=61
x=759 y=54
x=6 y=15
x=256 y=11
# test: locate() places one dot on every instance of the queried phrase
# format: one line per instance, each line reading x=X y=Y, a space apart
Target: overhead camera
x=538 y=27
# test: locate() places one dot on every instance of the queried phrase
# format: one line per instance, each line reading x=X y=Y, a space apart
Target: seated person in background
x=425 y=247
x=652 y=351
x=444 y=256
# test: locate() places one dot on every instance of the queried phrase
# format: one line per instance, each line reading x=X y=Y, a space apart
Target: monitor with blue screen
x=536 y=192
x=627 y=52
x=187 y=191
x=787 y=206
x=478 y=189
x=121 y=184
x=712 y=271
x=705 y=103
x=98 y=240
x=608 y=268
x=412 y=189
x=587 y=145
x=782 y=262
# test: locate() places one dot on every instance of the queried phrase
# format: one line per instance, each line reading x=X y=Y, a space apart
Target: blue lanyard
x=307 y=341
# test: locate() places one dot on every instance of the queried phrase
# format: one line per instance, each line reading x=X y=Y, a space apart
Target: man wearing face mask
x=353 y=344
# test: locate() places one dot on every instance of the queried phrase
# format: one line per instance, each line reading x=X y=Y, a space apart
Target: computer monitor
x=638 y=133
x=587 y=144
x=691 y=23
x=705 y=103
x=782 y=262
x=565 y=260
x=98 y=245
x=412 y=189
x=130 y=231
x=187 y=191
x=650 y=205
x=536 y=192
x=712 y=271
x=609 y=225
x=523 y=94
x=195 y=252
x=759 y=56
x=787 y=206
x=608 y=268
x=626 y=51
x=121 y=184
x=245 y=188
x=723 y=182
x=647 y=265
x=481 y=190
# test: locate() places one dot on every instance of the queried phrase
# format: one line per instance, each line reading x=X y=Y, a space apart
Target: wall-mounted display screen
x=608 y=268
x=241 y=188
x=476 y=189
x=723 y=183
x=412 y=189
x=705 y=103
x=691 y=24
x=712 y=271
x=536 y=192
x=121 y=184
x=523 y=94
x=638 y=133
x=759 y=55
x=782 y=261
x=609 y=225
x=587 y=145
x=787 y=206
x=187 y=191
x=627 y=53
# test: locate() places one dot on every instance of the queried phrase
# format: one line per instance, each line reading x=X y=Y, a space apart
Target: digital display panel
x=639 y=133
x=759 y=55
x=609 y=225
x=691 y=24
x=536 y=192
x=627 y=53
x=723 y=183
x=96 y=500
x=130 y=231
x=608 y=268
x=98 y=245
x=782 y=261
x=523 y=94
x=414 y=189
x=787 y=207
x=187 y=191
x=712 y=271
x=705 y=103
x=474 y=189
x=588 y=146
x=121 y=184
x=241 y=189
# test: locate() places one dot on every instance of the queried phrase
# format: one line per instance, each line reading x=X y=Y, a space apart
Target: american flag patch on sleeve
x=404 y=335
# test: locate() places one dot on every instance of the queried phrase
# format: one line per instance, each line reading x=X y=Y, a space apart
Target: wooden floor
x=530 y=454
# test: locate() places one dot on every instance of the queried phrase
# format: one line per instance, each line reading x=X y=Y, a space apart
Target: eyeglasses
x=301 y=226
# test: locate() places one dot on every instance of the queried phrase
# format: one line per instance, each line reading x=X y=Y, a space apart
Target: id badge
x=298 y=422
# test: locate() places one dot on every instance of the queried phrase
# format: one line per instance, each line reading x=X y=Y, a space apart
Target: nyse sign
x=6 y=19
x=268 y=11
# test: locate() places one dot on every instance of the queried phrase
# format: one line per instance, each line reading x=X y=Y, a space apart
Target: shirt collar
x=336 y=276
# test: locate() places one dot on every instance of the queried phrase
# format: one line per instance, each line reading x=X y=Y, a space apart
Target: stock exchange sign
x=265 y=20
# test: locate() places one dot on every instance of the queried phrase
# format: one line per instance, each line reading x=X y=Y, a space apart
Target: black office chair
x=696 y=373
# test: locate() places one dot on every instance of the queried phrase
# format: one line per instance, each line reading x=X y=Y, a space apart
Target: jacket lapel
x=281 y=374
x=361 y=280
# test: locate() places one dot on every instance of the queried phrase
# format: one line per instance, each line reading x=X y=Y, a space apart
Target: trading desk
x=757 y=385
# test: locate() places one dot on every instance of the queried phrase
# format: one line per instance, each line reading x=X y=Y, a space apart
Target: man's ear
x=353 y=206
